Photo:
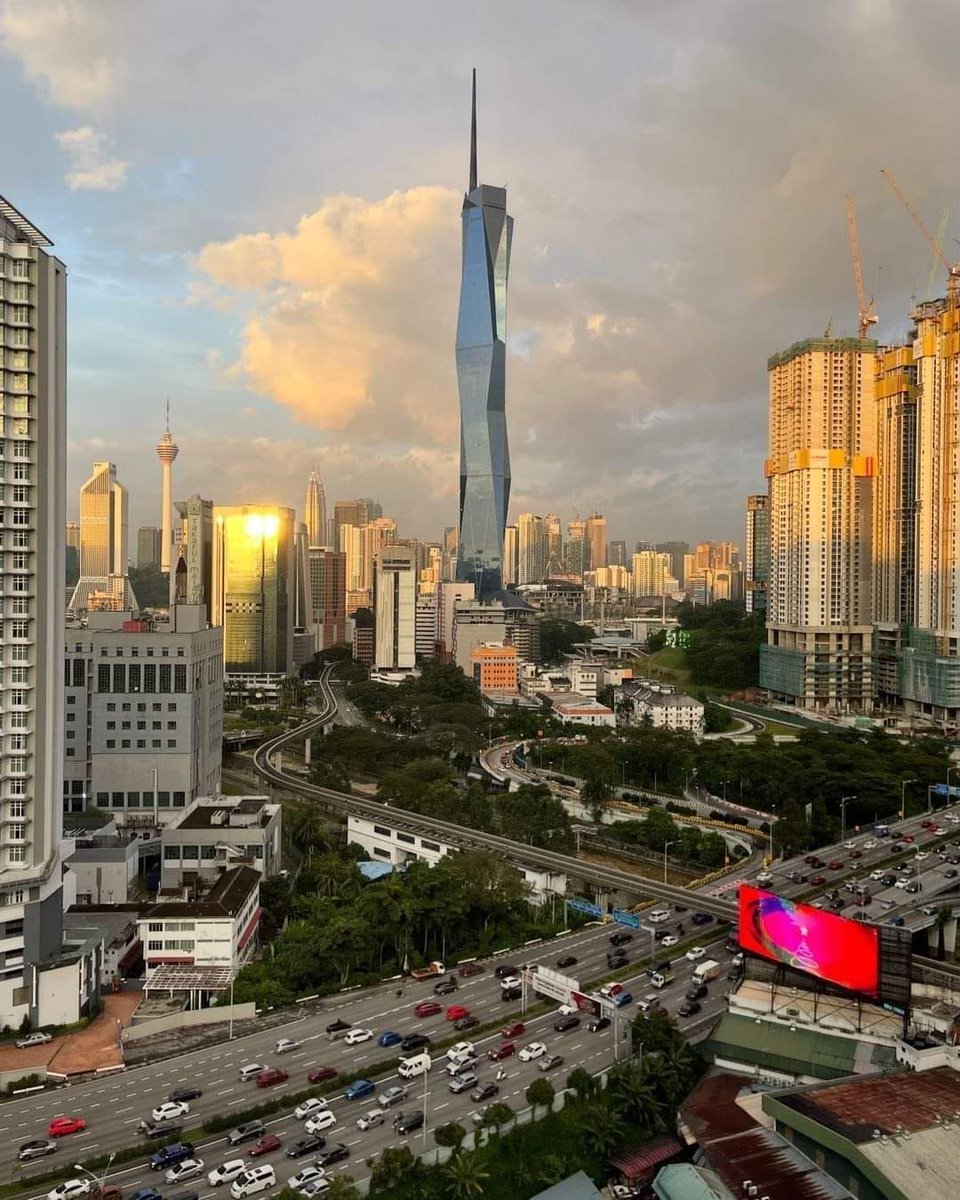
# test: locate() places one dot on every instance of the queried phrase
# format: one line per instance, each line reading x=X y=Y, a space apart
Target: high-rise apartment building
x=531 y=548
x=167 y=451
x=553 y=531
x=511 y=556
x=677 y=552
x=373 y=536
x=757 y=565
x=595 y=531
x=822 y=464
x=304 y=629
x=577 y=549
x=395 y=608
x=315 y=511
x=487 y=233
x=254 y=577
x=194 y=542
x=650 y=571
x=148 y=548
x=354 y=512
x=328 y=591
x=33 y=337
x=427 y=626
x=103 y=582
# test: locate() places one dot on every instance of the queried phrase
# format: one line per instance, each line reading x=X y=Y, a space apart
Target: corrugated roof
x=577 y=1187
x=635 y=1164
x=799 y=1050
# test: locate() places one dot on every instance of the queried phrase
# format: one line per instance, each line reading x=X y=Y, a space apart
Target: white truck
x=660 y=979
x=707 y=970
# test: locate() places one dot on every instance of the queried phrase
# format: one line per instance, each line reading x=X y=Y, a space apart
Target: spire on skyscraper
x=473 y=134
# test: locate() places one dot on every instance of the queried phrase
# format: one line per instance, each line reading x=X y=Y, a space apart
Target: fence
x=190 y=1019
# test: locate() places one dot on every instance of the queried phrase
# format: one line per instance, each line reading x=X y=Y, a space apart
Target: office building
x=511 y=556
x=103 y=581
x=451 y=539
x=577 y=550
x=328 y=594
x=508 y=618
x=373 y=536
x=33 y=452
x=595 y=531
x=304 y=629
x=531 y=549
x=650 y=572
x=214 y=833
x=354 y=512
x=194 y=541
x=617 y=554
x=395 y=607
x=448 y=597
x=167 y=451
x=677 y=552
x=217 y=930
x=143 y=728
x=494 y=668
x=427 y=627
x=315 y=511
x=254 y=576
x=364 y=636
x=823 y=444
x=73 y=535
x=487 y=233
x=148 y=548
x=757 y=564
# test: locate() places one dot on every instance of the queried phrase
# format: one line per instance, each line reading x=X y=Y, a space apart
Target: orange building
x=495 y=667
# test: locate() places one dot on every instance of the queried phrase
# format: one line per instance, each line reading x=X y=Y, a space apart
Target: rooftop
x=576 y=1187
x=225 y=899
x=26 y=229
x=248 y=809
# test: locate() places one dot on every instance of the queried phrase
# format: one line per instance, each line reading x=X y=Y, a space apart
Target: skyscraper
x=328 y=589
x=531 y=548
x=33 y=331
x=396 y=608
x=103 y=579
x=595 y=531
x=511 y=567
x=315 y=511
x=194 y=542
x=823 y=443
x=167 y=451
x=148 y=547
x=487 y=233
x=757 y=568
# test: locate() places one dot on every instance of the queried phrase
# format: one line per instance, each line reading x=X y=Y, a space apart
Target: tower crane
x=953 y=269
x=935 y=262
x=866 y=311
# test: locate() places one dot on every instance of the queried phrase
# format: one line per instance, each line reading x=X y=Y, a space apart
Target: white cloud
x=65 y=46
x=90 y=167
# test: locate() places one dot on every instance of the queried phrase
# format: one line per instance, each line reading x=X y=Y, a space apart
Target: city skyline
x=626 y=255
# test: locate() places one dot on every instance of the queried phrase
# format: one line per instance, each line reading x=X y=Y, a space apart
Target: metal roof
x=170 y=977
x=28 y=231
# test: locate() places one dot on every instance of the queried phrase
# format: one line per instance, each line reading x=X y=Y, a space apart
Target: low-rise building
x=495 y=667
x=572 y=709
x=106 y=867
x=215 y=833
x=217 y=930
x=660 y=706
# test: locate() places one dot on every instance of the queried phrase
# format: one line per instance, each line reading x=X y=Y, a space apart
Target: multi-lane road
x=113 y=1106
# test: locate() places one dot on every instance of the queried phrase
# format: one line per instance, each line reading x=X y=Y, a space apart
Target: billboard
x=551 y=983
x=838 y=951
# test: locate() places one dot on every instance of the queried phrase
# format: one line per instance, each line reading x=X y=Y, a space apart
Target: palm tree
x=584 y=1085
x=465 y=1176
x=601 y=1130
x=305 y=827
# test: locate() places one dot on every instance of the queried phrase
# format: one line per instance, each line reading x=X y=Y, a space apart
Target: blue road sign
x=622 y=917
x=584 y=906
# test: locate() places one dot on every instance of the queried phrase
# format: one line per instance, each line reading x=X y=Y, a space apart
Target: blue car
x=358 y=1089
x=389 y=1038
x=147 y=1193
x=168 y=1156
x=622 y=999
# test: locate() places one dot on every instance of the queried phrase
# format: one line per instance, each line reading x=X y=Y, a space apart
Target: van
x=649 y=1003
x=418 y=1064
x=250 y=1071
x=257 y=1179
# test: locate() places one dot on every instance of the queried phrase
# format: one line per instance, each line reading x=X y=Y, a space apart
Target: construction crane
x=941 y=234
x=866 y=310
x=953 y=269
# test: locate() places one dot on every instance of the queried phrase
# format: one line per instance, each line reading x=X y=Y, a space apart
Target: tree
x=452 y=1134
x=305 y=827
x=540 y=1093
x=584 y=1085
x=393 y=1167
x=557 y=637
x=341 y=1188
x=465 y=1175
x=603 y=1133
x=499 y=1113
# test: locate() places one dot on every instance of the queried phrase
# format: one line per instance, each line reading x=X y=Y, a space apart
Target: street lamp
x=724 y=786
x=843 y=815
x=903 y=788
x=103 y=1178
x=665 y=845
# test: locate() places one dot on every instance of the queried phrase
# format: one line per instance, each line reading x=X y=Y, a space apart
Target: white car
x=869 y=844
x=320 y=1122
x=764 y=877
x=695 y=952
x=286 y=1044
x=902 y=883
x=658 y=915
x=305 y=1176
x=921 y=855
x=566 y=1010
x=669 y=940
x=309 y=1108
x=227 y=1172
x=510 y=981
x=878 y=873
x=461 y=1050
x=69 y=1189
x=851 y=845
x=34 y=1039
x=314 y=1187
x=171 y=1110
x=369 y=1120
x=953 y=818
x=190 y=1168
x=356 y=1036
x=534 y=1050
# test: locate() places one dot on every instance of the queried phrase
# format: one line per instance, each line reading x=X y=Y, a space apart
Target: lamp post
x=665 y=846
x=103 y=1178
x=843 y=815
x=724 y=787
x=903 y=788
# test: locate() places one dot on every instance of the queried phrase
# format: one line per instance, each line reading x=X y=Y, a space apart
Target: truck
x=660 y=979
x=428 y=972
x=706 y=971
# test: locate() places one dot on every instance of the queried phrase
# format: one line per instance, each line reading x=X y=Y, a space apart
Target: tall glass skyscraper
x=481 y=372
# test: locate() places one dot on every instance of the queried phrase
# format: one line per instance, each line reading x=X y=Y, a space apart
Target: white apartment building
x=571 y=709
x=217 y=832
x=395 y=607
x=217 y=931
x=662 y=707
x=33 y=412
x=427 y=626
x=143 y=729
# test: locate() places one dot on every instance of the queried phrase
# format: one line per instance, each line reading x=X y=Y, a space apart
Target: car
x=392 y=1096
x=895 y=921
x=701 y=918
x=611 y=989
x=246 y=1132
x=314 y=1187
x=550 y=1062
x=445 y=987
x=338 y=1026
x=950 y=873
x=954 y=860
x=921 y=855
x=159 y=1129
x=927 y=824
x=414 y=1041
x=69 y=1189
x=271 y=1076
x=190 y=1168
x=466 y=1023
x=513 y=1029
x=408 y=1122
x=38 y=1148
x=878 y=874
x=305 y=1175
x=427 y=1008
x=812 y=861
x=764 y=877
x=358 y=1089
x=285 y=1045
x=908 y=837
x=696 y=991
x=369 y=1120
x=657 y=915
x=484 y=1091
x=463 y=1083
x=145 y=1193
x=509 y=982
x=33 y=1039
x=953 y=818
x=166 y=1156
x=504 y=1050
x=309 y=1108
x=567 y=1023
x=889 y=879
x=838 y=903
x=856 y=854
x=688 y=1008
x=504 y=969
x=511 y=993
x=265 y=1145
x=227 y=1172
x=322 y=1074
x=185 y=1093
x=928 y=910
x=471 y=968
x=566 y=1010
x=568 y=960
x=849 y=845
x=835 y=864
x=902 y=882
x=389 y=1038
x=913 y=887
x=670 y=939
x=61 y=1126
x=532 y=1051
x=459 y=1065
x=623 y=999
x=334 y=1153
x=870 y=844
x=356 y=1036
x=598 y=1023
x=817 y=880
x=456 y=1012
x=621 y=939
x=320 y=1121
x=171 y=1110
x=460 y=1050
x=618 y=958
x=695 y=952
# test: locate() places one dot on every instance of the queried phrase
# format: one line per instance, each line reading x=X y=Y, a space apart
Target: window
x=154 y=945
x=116 y=800
x=170 y=724
x=119 y=677
x=179 y=799
x=20 y=629
x=20 y=607
x=18 y=808
x=148 y=799
x=164 y=677
x=111 y=724
x=180 y=678
x=16 y=854
x=171 y=853
x=149 y=677
x=171 y=743
x=103 y=678
x=156 y=724
x=79 y=673
x=155 y=743
x=111 y=744
x=172 y=706
x=17 y=833
x=133 y=677
x=111 y=707
x=141 y=724
x=163 y=799
x=133 y=799
x=125 y=744
x=141 y=744
x=124 y=724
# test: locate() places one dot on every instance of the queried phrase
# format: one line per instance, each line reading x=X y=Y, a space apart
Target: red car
x=456 y=1012
x=816 y=880
x=63 y=1125
x=907 y=837
x=427 y=1008
x=322 y=1074
x=469 y=969
x=835 y=865
x=856 y=854
x=927 y=824
x=516 y=1029
x=504 y=1050
x=268 y=1142
x=271 y=1076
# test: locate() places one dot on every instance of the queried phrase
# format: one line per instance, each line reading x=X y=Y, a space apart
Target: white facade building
x=396 y=608
x=581 y=710
x=217 y=931
x=663 y=708
x=218 y=832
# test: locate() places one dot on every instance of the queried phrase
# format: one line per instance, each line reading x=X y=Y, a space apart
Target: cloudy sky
x=258 y=201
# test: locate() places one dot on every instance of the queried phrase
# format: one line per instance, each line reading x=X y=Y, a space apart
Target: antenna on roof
x=473 y=134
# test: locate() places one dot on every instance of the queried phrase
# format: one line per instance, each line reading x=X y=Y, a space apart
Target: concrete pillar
x=306 y=752
x=949 y=937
